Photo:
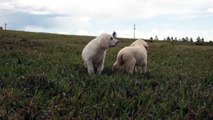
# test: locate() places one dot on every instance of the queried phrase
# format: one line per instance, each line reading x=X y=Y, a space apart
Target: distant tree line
x=198 y=40
x=156 y=38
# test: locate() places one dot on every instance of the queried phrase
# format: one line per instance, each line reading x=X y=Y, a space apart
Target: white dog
x=133 y=57
x=95 y=51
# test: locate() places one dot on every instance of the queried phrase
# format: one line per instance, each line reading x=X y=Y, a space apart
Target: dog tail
x=120 y=59
x=118 y=63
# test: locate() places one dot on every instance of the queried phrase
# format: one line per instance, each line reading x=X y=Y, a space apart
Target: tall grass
x=42 y=77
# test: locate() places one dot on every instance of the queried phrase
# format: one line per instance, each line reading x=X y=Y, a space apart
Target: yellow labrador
x=133 y=57
x=95 y=51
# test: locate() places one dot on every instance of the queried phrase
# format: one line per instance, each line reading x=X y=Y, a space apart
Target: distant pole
x=134 y=31
x=5 y=26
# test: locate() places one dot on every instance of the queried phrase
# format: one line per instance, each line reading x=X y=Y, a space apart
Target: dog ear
x=103 y=44
x=147 y=47
x=114 y=34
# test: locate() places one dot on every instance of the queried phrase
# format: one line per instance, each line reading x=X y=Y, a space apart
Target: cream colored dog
x=95 y=51
x=133 y=57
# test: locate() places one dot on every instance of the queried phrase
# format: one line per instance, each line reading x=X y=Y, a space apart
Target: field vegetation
x=42 y=77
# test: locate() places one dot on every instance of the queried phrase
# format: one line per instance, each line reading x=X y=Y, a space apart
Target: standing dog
x=95 y=51
x=133 y=57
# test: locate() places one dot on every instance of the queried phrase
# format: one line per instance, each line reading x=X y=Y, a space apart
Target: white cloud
x=207 y=35
x=127 y=33
x=40 y=12
x=110 y=8
x=88 y=16
x=84 y=19
x=86 y=11
x=82 y=32
x=210 y=10
x=6 y=6
x=63 y=32
x=34 y=28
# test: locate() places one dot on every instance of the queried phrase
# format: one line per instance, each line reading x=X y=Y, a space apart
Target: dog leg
x=130 y=66
x=138 y=69
x=144 y=67
x=85 y=64
x=90 y=67
x=100 y=67
x=115 y=66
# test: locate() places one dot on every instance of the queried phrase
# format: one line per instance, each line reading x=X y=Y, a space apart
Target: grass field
x=42 y=77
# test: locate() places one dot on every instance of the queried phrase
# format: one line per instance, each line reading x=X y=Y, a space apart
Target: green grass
x=42 y=77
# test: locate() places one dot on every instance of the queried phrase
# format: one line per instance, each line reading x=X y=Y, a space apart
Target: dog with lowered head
x=134 y=57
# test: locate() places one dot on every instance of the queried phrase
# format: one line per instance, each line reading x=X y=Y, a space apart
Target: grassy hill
x=42 y=77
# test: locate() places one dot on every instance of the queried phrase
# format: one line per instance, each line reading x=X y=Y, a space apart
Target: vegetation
x=42 y=77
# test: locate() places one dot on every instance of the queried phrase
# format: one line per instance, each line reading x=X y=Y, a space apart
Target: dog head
x=107 y=41
x=139 y=43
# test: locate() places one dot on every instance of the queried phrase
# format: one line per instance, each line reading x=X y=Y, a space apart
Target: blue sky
x=177 y=18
